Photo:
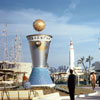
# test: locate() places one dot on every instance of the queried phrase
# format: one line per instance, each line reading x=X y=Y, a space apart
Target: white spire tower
x=71 y=56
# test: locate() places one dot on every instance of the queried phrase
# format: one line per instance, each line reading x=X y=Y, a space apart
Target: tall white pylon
x=18 y=47
x=71 y=56
x=4 y=44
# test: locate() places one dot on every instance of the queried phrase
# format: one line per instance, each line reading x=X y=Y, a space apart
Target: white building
x=18 y=67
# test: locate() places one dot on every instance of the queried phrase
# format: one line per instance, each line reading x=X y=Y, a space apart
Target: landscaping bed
x=48 y=90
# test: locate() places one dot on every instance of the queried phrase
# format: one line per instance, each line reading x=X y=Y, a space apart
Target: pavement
x=92 y=97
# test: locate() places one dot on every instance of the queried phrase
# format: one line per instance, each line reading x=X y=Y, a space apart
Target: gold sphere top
x=38 y=25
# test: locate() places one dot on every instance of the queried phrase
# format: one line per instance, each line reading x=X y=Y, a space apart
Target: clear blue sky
x=78 y=20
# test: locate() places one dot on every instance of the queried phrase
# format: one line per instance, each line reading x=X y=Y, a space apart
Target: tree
x=89 y=59
x=86 y=74
x=61 y=68
x=81 y=61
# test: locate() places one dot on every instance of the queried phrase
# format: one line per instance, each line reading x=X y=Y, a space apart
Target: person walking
x=71 y=84
x=98 y=80
x=24 y=79
x=93 y=80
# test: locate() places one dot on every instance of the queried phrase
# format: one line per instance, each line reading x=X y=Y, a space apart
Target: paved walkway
x=95 y=97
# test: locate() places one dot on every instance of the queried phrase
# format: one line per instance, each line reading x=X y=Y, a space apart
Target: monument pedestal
x=40 y=76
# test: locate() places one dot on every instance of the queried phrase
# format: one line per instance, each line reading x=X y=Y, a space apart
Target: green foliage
x=60 y=81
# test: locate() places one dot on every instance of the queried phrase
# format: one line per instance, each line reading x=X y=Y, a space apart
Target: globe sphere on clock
x=38 y=25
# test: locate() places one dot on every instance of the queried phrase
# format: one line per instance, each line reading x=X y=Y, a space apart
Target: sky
x=76 y=20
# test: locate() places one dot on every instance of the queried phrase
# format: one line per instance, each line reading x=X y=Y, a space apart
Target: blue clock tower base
x=40 y=76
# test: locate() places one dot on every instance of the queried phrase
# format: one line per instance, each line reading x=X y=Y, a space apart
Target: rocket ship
x=71 y=56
